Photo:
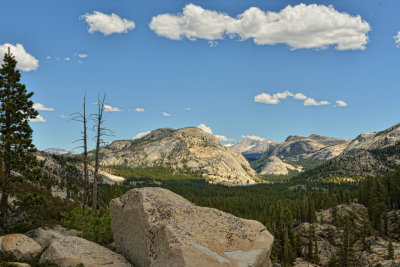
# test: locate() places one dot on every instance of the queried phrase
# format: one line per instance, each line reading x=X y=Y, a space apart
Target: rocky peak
x=187 y=148
x=291 y=138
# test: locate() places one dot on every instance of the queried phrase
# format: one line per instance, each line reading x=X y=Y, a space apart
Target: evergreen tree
x=346 y=248
x=310 y=243
x=390 y=250
x=16 y=148
x=312 y=217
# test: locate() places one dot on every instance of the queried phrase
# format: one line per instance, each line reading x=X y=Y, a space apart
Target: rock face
x=187 y=148
x=156 y=227
x=368 y=154
x=252 y=147
x=71 y=251
x=275 y=166
x=21 y=246
x=311 y=147
x=298 y=153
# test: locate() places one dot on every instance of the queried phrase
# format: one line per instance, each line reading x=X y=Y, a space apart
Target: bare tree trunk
x=81 y=117
x=6 y=172
x=85 y=158
x=99 y=122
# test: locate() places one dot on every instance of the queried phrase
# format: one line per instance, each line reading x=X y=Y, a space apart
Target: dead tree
x=100 y=133
x=81 y=117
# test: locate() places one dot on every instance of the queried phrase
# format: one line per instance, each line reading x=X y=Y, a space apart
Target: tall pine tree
x=16 y=148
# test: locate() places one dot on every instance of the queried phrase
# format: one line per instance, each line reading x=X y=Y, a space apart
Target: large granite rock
x=71 y=251
x=156 y=227
x=21 y=246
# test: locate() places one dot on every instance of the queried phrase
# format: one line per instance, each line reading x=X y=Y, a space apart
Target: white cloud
x=188 y=109
x=39 y=106
x=397 y=39
x=253 y=137
x=312 y=102
x=221 y=138
x=48 y=57
x=301 y=26
x=109 y=108
x=82 y=56
x=107 y=24
x=165 y=114
x=38 y=119
x=213 y=43
x=63 y=116
x=340 y=103
x=282 y=95
x=25 y=61
x=300 y=96
x=139 y=110
x=195 y=22
x=266 y=99
x=67 y=59
x=140 y=135
x=205 y=128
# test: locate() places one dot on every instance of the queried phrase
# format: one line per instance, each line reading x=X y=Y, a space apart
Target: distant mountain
x=312 y=147
x=298 y=153
x=184 y=149
x=58 y=151
x=275 y=166
x=252 y=147
x=368 y=154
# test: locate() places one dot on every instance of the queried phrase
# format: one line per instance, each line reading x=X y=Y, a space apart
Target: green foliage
x=95 y=227
x=16 y=110
x=160 y=173
x=390 y=250
x=380 y=194
x=7 y=259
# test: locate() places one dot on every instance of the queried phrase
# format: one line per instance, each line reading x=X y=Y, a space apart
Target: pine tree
x=16 y=148
x=390 y=250
x=310 y=243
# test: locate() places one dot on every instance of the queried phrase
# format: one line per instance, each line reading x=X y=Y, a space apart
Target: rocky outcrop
x=184 y=149
x=329 y=231
x=371 y=141
x=275 y=166
x=71 y=251
x=21 y=246
x=156 y=227
x=377 y=252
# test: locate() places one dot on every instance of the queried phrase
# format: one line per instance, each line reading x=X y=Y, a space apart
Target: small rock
x=44 y=237
x=71 y=251
x=21 y=246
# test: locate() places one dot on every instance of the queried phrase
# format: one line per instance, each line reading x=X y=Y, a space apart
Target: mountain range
x=194 y=151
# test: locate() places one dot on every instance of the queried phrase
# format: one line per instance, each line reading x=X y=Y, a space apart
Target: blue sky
x=216 y=68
